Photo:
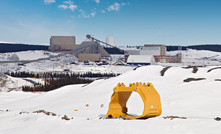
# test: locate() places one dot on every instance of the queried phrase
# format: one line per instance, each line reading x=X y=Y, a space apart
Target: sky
x=130 y=22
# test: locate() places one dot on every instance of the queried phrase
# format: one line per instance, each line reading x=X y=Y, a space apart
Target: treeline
x=57 y=80
x=10 y=47
x=52 y=83
x=61 y=75
x=215 y=47
x=13 y=47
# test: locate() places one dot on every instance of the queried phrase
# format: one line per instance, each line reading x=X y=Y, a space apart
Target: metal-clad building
x=148 y=49
x=153 y=49
x=62 y=43
x=132 y=52
x=140 y=60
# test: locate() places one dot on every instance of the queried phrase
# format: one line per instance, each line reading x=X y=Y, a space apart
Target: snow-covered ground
x=198 y=101
x=198 y=57
x=189 y=57
x=52 y=65
x=57 y=64
x=6 y=42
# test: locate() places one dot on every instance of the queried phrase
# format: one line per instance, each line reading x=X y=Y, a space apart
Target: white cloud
x=49 y=1
x=63 y=6
x=93 y=13
x=97 y=1
x=68 y=5
x=69 y=2
x=114 y=7
x=83 y=14
x=103 y=11
x=72 y=7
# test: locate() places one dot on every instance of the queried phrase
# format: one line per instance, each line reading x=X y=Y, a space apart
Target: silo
x=110 y=40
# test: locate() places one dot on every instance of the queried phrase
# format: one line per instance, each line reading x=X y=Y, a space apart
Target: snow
x=189 y=57
x=53 y=65
x=196 y=100
x=57 y=64
x=6 y=42
x=198 y=57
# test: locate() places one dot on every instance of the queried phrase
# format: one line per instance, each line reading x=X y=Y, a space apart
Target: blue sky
x=131 y=22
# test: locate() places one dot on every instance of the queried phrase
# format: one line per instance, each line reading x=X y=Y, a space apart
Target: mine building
x=88 y=50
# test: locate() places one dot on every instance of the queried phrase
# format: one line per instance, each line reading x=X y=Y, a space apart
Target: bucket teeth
x=144 y=84
x=118 y=84
x=148 y=84
x=122 y=84
x=139 y=84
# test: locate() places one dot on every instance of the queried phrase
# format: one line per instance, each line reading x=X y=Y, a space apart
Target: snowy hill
x=198 y=57
x=198 y=101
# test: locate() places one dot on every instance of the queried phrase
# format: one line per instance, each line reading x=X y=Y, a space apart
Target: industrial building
x=62 y=43
x=158 y=51
x=153 y=49
x=148 y=49
x=88 y=50
x=91 y=50
x=168 y=59
x=132 y=52
x=145 y=55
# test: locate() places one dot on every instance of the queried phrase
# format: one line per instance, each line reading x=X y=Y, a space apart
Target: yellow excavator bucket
x=149 y=95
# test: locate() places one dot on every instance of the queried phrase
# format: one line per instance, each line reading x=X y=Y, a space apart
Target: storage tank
x=110 y=40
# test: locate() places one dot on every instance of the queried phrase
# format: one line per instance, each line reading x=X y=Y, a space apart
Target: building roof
x=153 y=45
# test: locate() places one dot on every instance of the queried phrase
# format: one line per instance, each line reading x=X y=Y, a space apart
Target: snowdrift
x=86 y=105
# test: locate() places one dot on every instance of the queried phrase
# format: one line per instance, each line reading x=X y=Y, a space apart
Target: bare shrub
x=174 y=117
x=162 y=72
x=195 y=68
x=65 y=117
x=213 y=69
x=193 y=79
x=217 y=119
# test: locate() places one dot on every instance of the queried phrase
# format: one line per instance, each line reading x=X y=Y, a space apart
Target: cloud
x=115 y=7
x=68 y=5
x=85 y=15
x=72 y=7
x=49 y=1
x=69 y=2
x=89 y=13
x=93 y=13
x=97 y=1
x=103 y=11
x=63 y=6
